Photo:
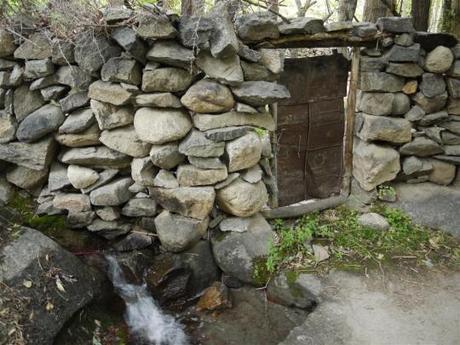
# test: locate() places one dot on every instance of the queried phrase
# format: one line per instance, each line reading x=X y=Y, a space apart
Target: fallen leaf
x=59 y=285
x=27 y=283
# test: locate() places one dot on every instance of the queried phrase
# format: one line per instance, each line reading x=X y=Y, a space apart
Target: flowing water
x=145 y=319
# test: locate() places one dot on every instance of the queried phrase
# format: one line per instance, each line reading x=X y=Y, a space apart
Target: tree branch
x=283 y=18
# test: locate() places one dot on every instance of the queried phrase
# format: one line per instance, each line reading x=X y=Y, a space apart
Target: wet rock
x=157 y=100
x=74 y=101
x=125 y=140
x=36 y=155
x=226 y=70
x=35 y=69
x=155 y=27
x=26 y=178
x=139 y=208
x=257 y=26
x=109 y=230
x=243 y=152
x=158 y=126
x=98 y=156
x=25 y=101
x=373 y=221
x=74 y=77
x=134 y=241
x=196 y=144
x=81 y=177
x=381 y=128
x=241 y=198
x=239 y=254
x=208 y=97
x=421 y=147
x=92 y=51
x=166 y=79
x=195 y=202
x=404 y=54
x=72 y=202
x=127 y=39
x=216 y=297
x=380 y=81
x=109 y=116
x=407 y=70
x=178 y=233
x=376 y=103
x=112 y=194
x=165 y=179
x=143 y=171
x=36 y=47
x=166 y=156
x=88 y=137
x=432 y=84
x=259 y=93
x=7 y=45
x=171 y=53
x=395 y=24
x=431 y=105
x=8 y=127
x=439 y=60
x=303 y=25
x=39 y=123
x=121 y=70
x=78 y=121
x=189 y=176
x=109 y=93
x=207 y=122
x=373 y=164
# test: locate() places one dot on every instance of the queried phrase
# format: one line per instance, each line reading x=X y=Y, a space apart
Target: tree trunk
x=374 y=9
x=192 y=7
x=450 y=21
x=346 y=10
x=421 y=14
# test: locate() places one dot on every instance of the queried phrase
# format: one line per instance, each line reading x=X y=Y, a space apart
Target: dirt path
x=398 y=309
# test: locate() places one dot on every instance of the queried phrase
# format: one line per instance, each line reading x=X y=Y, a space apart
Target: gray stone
x=88 y=137
x=139 y=208
x=125 y=140
x=373 y=221
x=243 y=152
x=449 y=159
x=178 y=233
x=157 y=100
x=42 y=121
x=223 y=41
x=38 y=68
x=405 y=40
x=109 y=93
x=241 y=198
x=99 y=156
x=408 y=70
x=208 y=97
x=453 y=86
x=171 y=53
x=44 y=82
x=78 y=121
x=121 y=70
x=81 y=177
x=108 y=213
x=226 y=70
x=196 y=144
x=455 y=70
x=143 y=171
x=430 y=119
x=453 y=126
x=257 y=26
x=208 y=122
x=339 y=26
x=26 y=178
x=244 y=108
x=189 y=176
x=36 y=47
x=26 y=101
x=74 y=101
x=434 y=133
x=373 y=64
x=6 y=189
x=7 y=45
x=273 y=60
x=381 y=128
x=253 y=174
x=302 y=25
x=239 y=253
x=167 y=79
x=8 y=127
x=376 y=103
x=109 y=230
x=165 y=179
x=452 y=150
x=248 y=54
x=109 y=116
x=226 y=134
x=439 y=60
x=404 y=54
x=57 y=178
x=421 y=147
x=380 y=81
x=416 y=166
x=92 y=51
x=450 y=138
x=159 y=126
x=443 y=173
x=36 y=156
x=62 y=52
x=6 y=65
x=155 y=27
x=72 y=202
x=415 y=114
x=196 y=31
x=430 y=105
x=74 y=77
x=231 y=177
x=126 y=37
x=257 y=72
x=453 y=107
x=206 y=163
x=373 y=164
x=104 y=177
x=113 y=13
x=237 y=224
x=432 y=85
x=195 y=202
x=401 y=104
x=166 y=156
x=258 y=93
x=112 y=194
x=396 y=25
x=78 y=220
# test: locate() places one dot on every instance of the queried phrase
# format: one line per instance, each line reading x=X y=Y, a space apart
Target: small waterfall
x=143 y=316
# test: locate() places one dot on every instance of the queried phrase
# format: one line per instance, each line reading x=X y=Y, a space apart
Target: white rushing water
x=143 y=316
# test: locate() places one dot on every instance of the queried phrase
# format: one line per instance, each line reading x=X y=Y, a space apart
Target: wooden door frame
x=312 y=205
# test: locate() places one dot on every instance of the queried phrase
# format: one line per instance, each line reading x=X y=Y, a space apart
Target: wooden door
x=311 y=128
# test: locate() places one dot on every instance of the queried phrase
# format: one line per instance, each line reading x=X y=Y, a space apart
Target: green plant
x=260 y=132
x=385 y=192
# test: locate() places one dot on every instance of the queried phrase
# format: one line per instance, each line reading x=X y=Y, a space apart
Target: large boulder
x=178 y=233
x=194 y=202
x=374 y=164
x=159 y=126
x=112 y=194
x=206 y=122
x=38 y=155
x=381 y=128
x=45 y=120
x=259 y=93
x=208 y=97
x=171 y=53
x=241 y=198
x=243 y=152
x=125 y=140
x=98 y=156
x=241 y=254
x=439 y=60
x=226 y=70
x=189 y=176
x=166 y=79
x=109 y=93
x=52 y=300
x=196 y=144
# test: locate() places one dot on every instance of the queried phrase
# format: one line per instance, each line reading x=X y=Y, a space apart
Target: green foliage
x=385 y=192
x=260 y=132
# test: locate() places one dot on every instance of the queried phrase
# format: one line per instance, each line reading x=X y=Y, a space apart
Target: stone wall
x=408 y=112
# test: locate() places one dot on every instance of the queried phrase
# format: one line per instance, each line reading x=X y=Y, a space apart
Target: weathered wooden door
x=311 y=128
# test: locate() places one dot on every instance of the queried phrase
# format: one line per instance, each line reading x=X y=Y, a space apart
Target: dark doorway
x=311 y=128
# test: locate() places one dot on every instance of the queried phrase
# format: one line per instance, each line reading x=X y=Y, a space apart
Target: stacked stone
x=137 y=132
x=408 y=122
